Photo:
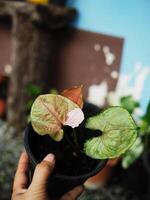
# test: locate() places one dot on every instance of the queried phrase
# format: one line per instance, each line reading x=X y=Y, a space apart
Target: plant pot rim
x=34 y=161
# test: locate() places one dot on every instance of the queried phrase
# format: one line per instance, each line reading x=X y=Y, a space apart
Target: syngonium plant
x=118 y=131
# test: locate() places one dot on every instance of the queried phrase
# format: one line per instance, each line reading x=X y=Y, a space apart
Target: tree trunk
x=31 y=61
x=32 y=46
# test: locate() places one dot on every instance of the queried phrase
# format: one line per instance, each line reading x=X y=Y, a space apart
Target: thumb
x=42 y=172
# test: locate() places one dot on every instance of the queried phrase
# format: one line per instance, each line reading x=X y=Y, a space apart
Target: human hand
x=37 y=188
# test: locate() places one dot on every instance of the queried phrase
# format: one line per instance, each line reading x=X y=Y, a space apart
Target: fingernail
x=50 y=158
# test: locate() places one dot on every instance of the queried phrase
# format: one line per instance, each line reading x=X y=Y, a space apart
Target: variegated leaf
x=49 y=113
x=119 y=133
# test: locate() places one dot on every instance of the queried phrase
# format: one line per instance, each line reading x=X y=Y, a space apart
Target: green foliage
x=133 y=153
x=145 y=120
x=119 y=133
x=33 y=90
x=129 y=103
x=53 y=91
x=142 y=143
x=146 y=117
x=29 y=104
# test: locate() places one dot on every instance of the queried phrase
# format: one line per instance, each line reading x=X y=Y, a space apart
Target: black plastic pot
x=58 y=183
x=146 y=162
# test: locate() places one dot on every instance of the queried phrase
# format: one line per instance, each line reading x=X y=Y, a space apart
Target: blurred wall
x=5 y=44
x=127 y=19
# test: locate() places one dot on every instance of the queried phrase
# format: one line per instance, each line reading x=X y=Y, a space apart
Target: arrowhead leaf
x=75 y=95
x=49 y=113
x=119 y=133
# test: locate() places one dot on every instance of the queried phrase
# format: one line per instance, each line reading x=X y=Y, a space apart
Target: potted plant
x=81 y=137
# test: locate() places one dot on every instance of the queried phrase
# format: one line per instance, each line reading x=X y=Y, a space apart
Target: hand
x=37 y=189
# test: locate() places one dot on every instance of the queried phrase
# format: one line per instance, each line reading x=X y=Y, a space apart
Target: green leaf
x=145 y=121
x=29 y=104
x=133 y=153
x=146 y=117
x=119 y=132
x=53 y=91
x=49 y=113
x=129 y=103
x=33 y=90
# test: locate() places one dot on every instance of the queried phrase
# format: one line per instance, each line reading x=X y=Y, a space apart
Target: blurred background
x=50 y=45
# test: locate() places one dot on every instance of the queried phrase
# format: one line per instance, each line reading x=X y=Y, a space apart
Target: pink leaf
x=74 y=117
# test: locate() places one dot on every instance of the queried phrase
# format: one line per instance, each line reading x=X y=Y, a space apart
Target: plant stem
x=75 y=138
x=69 y=141
x=74 y=144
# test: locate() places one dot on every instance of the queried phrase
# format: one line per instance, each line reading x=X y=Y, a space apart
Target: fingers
x=21 y=178
x=42 y=172
x=73 y=194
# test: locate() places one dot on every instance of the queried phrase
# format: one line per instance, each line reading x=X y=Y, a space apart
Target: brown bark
x=32 y=47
